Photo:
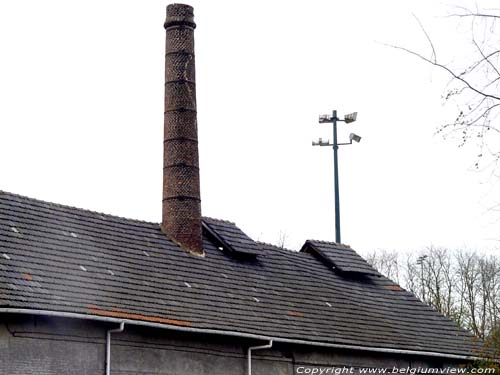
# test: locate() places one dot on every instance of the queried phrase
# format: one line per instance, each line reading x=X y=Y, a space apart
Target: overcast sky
x=81 y=117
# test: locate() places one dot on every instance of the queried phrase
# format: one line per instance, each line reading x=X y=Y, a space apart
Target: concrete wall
x=55 y=346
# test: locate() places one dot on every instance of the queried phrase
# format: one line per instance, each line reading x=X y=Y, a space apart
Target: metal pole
x=420 y=262
x=336 y=177
x=422 y=278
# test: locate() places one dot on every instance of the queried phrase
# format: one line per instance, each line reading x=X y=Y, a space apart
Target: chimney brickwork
x=181 y=209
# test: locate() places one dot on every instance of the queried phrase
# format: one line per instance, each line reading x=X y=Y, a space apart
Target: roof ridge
x=66 y=206
x=275 y=247
x=331 y=243
x=218 y=220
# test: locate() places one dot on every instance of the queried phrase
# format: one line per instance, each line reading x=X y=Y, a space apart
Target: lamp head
x=325 y=118
x=354 y=137
x=351 y=117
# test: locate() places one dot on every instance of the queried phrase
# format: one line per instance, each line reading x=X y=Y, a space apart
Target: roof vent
x=342 y=258
x=231 y=238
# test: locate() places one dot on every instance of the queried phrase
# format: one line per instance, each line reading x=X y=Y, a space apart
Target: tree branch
x=453 y=74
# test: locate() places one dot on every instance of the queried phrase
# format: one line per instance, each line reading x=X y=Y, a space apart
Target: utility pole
x=420 y=261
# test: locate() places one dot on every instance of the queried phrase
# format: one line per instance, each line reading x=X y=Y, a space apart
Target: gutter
x=249 y=354
x=108 y=345
x=234 y=334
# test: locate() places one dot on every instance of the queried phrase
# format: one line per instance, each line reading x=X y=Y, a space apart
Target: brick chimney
x=181 y=209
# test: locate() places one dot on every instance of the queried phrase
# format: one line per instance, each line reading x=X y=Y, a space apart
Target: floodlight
x=325 y=118
x=317 y=143
x=354 y=137
x=351 y=117
x=420 y=259
x=322 y=143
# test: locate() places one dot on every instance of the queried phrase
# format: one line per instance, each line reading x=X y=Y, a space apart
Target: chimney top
x=179 y=15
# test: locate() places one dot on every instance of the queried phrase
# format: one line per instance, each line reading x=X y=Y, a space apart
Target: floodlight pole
x=334 y=119
x=336 y=177
x=420 y=261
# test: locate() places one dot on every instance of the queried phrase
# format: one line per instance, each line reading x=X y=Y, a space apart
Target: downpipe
x=249 y=354
x=108 y=346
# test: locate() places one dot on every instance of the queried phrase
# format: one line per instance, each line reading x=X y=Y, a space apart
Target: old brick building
x=88 y=293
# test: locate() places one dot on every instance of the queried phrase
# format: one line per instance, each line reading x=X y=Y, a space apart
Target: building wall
x=56 y=346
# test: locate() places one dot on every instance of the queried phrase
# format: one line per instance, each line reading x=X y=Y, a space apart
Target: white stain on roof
x=145 y=253
x=224 y=275
x=74 y=235
x=14 y=229
x=256 y=299
x=187 y=284
x=111 y=273
x=328 y=304
x=83 y=268
x=6 y=256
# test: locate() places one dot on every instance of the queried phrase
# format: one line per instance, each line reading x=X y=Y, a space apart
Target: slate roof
x=64 y=259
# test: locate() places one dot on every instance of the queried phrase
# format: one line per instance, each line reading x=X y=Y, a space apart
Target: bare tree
x=460 y=284
x=439 y=279
x=474 y=85
x=431 y=276
x=282 y=238
x=413 y=279
x=468 y=287
x=386 y=262
x=490 y=283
